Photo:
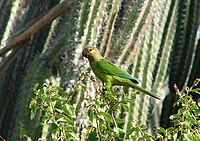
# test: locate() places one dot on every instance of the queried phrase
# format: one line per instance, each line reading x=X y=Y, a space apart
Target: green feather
x=107 y=67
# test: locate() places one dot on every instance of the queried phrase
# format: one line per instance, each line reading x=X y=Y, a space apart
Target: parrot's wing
x=111 y=69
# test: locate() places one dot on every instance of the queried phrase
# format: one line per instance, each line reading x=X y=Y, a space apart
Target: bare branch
x=37 y=25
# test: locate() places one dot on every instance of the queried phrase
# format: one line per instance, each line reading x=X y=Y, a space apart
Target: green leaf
x=33 y=113
x=125 y=107
x=23 y=131
x=45 y=89
x=121 y=133
x=73 y=136
x=69 y=110
x=68 y=120
x=194 y=107
x=107 y=116
x=111 y=97
x=32 y=103
x=93 y=136
x=186 y=137
x=191 y=120
x=118 y=139
x=58 y=110
x=143 y=127
x=134 y=137
x=175 y=116
x=124 y=100
x=33 y=107
x=196 y=90
x=176 y=121
x=58 y=105
x=199 y=102
x=119 y=121
x=116 y=107
x=54 y=126
x=29 y=139
x=36 y=87
x=102 y=126
x=91 y=114
x=61 y=120
x=161 y=130
x=131 y=130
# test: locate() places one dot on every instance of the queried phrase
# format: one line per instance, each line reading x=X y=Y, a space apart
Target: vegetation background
x=157 y=41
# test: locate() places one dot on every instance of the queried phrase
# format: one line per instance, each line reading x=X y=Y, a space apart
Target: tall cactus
x=14 y=109
x=139 y=36
x=184 y=51
x=121 y=38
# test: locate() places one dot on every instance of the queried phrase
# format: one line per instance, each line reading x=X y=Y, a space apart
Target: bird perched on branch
x=110 y=73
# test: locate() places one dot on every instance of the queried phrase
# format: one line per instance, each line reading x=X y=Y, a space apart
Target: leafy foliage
x=103 y=122
x=58 y=113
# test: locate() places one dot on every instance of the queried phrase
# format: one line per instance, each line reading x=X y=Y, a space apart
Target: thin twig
x=2 y=138
x=112 y=112
x=98 y=129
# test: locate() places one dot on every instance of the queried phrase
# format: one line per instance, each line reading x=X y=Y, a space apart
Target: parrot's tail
x=137 y=87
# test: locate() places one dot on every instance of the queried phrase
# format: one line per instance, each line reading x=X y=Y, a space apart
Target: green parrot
x=110 y=73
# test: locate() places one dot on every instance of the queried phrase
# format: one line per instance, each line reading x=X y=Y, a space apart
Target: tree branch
x=37 y=25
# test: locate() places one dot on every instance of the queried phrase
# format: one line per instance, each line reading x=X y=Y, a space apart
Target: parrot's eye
x=90 y=49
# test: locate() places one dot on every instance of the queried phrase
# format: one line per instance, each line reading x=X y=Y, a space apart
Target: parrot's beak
x=84 y=53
